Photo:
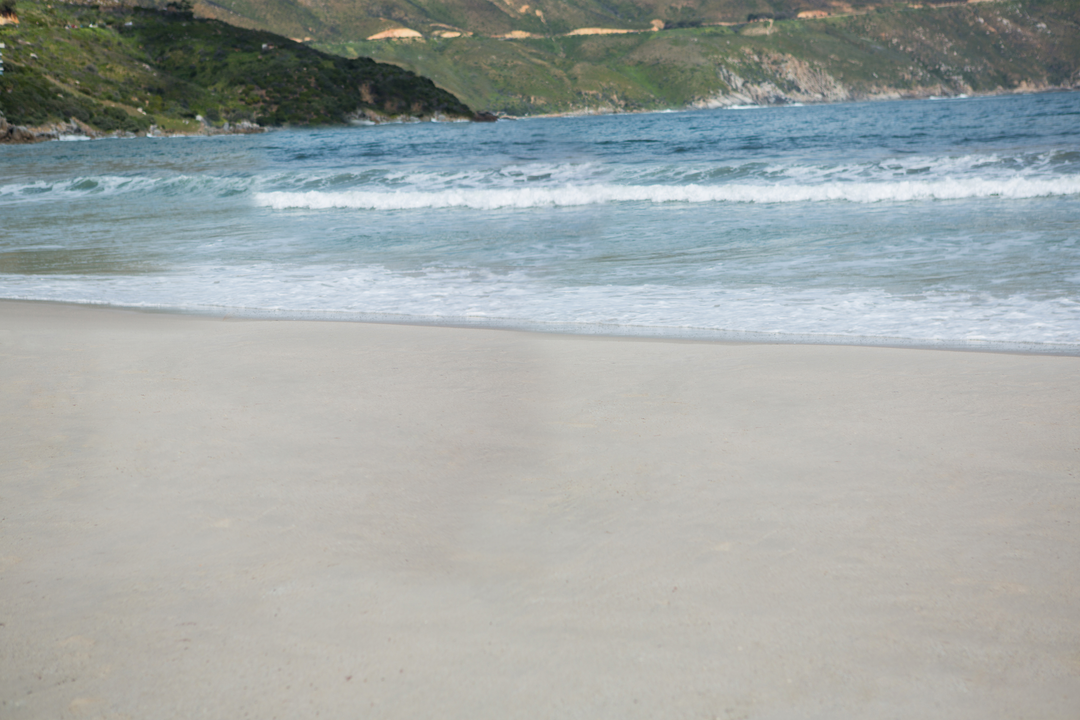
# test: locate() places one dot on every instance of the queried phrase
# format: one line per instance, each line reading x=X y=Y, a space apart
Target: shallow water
x=920 y=222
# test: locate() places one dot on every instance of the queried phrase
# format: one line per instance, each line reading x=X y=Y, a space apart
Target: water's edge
x=594 y=330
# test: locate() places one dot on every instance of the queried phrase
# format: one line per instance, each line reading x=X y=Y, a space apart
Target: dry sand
x=227 y=519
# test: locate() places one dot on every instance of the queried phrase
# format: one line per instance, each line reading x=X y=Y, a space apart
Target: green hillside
x=127 y=69
x=856 y=51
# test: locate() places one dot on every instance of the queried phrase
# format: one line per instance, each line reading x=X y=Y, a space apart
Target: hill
x=132 y=70
x=547 y=56
x=330 y=20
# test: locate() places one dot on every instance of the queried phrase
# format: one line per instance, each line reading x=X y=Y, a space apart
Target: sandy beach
x=207 y=517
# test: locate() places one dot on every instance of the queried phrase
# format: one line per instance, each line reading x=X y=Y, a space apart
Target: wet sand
x=215 y=518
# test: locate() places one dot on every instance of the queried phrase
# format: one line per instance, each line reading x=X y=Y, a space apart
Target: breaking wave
x=541 y=183
x=491 y=199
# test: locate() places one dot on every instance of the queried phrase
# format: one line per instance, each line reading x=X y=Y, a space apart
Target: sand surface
x=228 y=519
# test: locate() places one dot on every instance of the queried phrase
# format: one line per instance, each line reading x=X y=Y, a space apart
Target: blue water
x=953 y=222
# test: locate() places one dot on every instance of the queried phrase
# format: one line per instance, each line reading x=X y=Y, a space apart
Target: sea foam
x=519 y=300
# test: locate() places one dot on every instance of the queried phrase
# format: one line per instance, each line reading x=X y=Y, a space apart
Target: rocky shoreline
x=766 y=95
x=11 y=134
x=75 y=129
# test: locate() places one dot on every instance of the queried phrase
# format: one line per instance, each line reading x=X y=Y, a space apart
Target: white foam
x=477 y=199
x=517 y=298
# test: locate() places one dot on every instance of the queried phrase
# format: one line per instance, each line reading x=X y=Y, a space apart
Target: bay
x=931 y=223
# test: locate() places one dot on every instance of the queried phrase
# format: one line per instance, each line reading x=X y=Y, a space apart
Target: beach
x=214 y=517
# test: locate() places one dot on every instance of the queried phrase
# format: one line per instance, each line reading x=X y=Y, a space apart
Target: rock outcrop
x=20 y=134
x=791 y=81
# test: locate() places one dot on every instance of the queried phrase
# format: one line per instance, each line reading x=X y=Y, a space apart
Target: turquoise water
x=951 y=222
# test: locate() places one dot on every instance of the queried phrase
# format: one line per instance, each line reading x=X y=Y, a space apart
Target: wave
x=103 y=185
x=529 y=184
x=492 y=199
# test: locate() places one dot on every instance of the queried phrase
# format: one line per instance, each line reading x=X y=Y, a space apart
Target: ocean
x=940 y=223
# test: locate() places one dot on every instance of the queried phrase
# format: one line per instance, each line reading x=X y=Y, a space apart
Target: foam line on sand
x=207 y=518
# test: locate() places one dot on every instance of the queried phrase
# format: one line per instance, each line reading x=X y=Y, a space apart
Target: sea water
x=949 y=223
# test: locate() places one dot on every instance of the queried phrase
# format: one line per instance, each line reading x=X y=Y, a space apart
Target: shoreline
x=207 y=518
x=76 y=131
x=595 y=330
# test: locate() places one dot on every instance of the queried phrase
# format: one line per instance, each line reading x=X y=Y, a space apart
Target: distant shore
x=215 y=518
x=12 y=134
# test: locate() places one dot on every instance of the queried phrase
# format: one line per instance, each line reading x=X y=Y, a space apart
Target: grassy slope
x=127 y=68
x=950 y=50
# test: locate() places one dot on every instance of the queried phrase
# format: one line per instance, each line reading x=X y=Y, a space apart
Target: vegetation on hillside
x=891 y=52
x=124 y=69
x=127 y=68
x=857 y=49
